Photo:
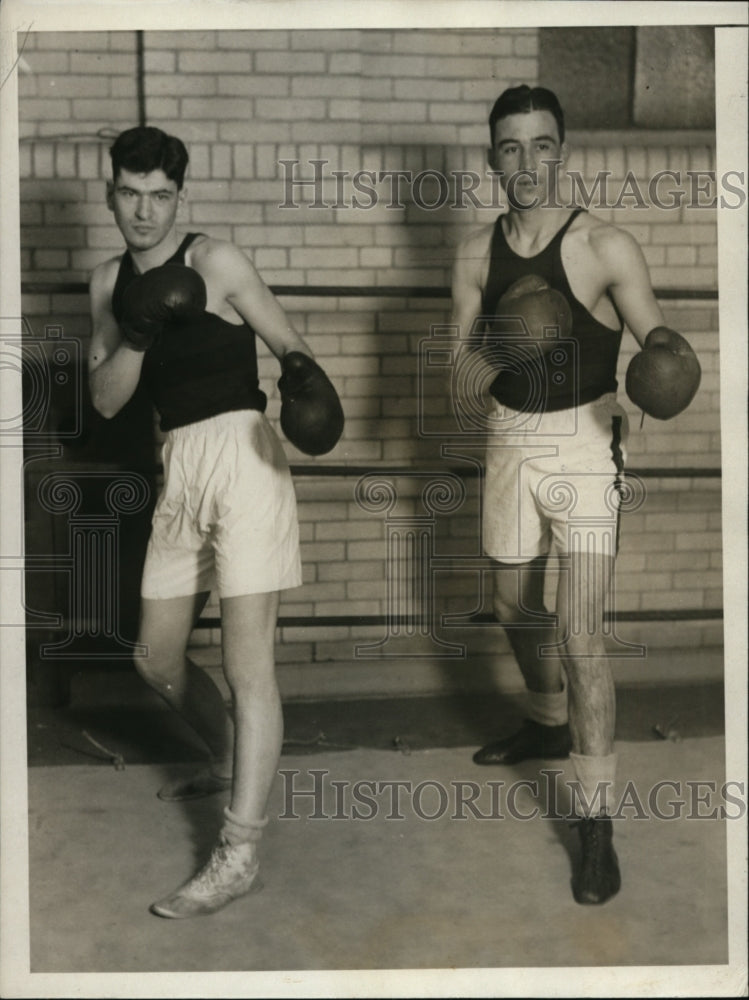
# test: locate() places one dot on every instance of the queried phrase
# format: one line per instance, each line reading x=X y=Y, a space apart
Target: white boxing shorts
x=226 y=519
x=552 y=481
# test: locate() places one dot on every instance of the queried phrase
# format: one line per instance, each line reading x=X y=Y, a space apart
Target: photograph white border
x=16 y=16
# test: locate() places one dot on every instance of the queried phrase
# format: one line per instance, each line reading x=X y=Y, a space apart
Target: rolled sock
x=235 y=831
x=548 y=709
x=597 y=777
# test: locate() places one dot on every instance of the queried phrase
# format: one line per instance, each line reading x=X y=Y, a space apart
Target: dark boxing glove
x=664 y=376
x=311 y=412
x=544 y=311
x=172 y=293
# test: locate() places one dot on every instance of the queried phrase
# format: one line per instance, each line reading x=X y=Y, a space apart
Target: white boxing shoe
x=230 y=872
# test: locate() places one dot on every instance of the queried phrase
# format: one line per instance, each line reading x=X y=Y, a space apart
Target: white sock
x=596 y=777
x=548 y=708
x=235 y=831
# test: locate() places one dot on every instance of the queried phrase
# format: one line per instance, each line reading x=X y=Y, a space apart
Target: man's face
x=144 y=206
x=522 y=144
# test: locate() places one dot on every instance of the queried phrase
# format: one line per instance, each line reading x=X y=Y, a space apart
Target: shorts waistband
x=232 y=418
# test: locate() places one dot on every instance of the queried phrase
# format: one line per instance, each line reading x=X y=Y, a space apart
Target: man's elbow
x=104 y=405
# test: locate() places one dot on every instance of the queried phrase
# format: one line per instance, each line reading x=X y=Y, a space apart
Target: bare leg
x=580 y=605
x=248 y=630
x=248 y=635
x=518 y=605
x=518 y=602
x=165 y=630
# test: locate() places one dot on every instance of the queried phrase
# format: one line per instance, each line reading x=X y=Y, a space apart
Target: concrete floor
x=381 y=893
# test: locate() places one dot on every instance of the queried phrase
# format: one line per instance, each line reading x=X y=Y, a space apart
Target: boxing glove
x=664 y=376
x=311 y=412
x=545 y=312
x=170 y=294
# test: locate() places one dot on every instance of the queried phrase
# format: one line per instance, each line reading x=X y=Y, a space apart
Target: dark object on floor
x=532 y=741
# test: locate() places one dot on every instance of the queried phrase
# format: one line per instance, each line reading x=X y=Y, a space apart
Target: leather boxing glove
x=311 y=412
x=172 y=293
x=544 y=311
x=664 y=376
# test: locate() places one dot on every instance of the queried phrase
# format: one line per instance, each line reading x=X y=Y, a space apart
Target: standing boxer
x=180 y=312
x=557 y=433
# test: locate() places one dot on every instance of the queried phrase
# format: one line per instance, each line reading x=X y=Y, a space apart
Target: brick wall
x=364 y=101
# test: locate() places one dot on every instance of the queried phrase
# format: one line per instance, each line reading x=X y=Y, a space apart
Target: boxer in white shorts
x=540 y=486
x=554 y=448
x=226 y=518
x=179 y=314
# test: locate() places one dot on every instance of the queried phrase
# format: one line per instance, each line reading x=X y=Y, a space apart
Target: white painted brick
x=348 y=531
x=449 y=111
x=345 y=62
x=199 y=40
x=322 y=40
x=692 y=541
x=681 y=255
x=171 y=85
x=221 y=160
x=525 y=45
x=163 y=110
x=344 y=109
x=376 y=41
x=73 y=41
x=268 y=259
x=252 y=40
x=376 y=257
x=254 y=131
x=326 y=86
x=49 y=259
x=44 y=109
x=159 y=61
x=223 y=211
x=294 y=110
x=359 y=570
x=211 y=61
x=282 y=62
x=218 y=108
x=189 y=131
x=378 y=65
x=252 y=85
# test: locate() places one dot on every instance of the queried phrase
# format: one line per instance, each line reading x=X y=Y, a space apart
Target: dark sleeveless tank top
x=580 y=371
x=200 y=368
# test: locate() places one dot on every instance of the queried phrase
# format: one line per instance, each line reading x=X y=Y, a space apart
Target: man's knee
x=159 y=670
x=518 y=596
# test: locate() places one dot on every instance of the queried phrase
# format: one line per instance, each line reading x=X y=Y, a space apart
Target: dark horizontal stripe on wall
x=335 y=471
x=353 y=291
x=357 y=621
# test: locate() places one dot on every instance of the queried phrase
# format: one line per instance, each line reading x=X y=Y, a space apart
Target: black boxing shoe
x=598 y=877
x=532 y=741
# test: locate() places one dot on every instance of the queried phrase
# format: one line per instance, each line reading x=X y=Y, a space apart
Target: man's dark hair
x=520 y=100
x=145 y=148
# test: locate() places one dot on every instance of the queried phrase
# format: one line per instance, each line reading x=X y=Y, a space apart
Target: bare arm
x=629 y=284
x=113 y=368
x=467 y=299
x=225 y=266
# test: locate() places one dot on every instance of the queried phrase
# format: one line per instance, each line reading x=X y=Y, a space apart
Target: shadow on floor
x=56 y=736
